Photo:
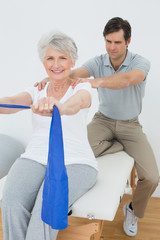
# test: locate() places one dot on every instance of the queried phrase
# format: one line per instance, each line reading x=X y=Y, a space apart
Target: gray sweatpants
x=23 y=195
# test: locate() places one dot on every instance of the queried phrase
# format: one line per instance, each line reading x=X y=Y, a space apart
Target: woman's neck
x=59 y=85
x=58 y=89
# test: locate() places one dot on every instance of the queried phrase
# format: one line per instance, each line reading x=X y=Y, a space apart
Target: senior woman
x=23 y=189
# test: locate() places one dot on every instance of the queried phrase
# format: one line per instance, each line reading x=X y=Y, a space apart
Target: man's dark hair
x=115 y=24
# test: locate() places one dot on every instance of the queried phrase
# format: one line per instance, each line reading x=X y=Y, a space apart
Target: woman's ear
x=73 y=64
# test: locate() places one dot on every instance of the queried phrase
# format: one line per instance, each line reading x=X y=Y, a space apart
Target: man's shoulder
x=137 y=57
x=136 y=61
x=101 y=57
x=99 y=60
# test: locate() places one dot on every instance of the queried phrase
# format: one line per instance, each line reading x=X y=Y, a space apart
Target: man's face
x=116 y=45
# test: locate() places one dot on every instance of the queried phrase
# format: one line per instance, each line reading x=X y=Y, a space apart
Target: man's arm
x=80 y=73
x=118 y=80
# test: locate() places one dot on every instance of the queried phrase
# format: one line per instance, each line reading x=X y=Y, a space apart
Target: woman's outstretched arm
x=80 y=100
x=23 y=98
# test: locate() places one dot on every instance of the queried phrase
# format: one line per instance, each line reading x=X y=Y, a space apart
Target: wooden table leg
x=82 y=232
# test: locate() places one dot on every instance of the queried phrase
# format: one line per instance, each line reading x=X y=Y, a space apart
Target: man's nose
x=112 y=46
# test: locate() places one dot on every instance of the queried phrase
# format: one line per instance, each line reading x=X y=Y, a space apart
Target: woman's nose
x=56 y=63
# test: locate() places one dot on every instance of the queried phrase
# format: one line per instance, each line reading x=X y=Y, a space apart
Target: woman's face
x=57 y=64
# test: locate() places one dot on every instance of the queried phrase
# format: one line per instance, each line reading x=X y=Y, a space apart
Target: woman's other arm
x=82 y=99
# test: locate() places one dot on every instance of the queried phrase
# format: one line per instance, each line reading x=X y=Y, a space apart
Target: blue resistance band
x=55 y=191
x=14 y=106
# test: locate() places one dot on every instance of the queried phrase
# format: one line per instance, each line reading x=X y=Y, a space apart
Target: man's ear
x=128 y=42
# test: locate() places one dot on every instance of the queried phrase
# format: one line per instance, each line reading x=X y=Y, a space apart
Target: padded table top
x=102 y=201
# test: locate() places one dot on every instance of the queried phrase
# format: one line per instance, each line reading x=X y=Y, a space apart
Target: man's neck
x=116 y=63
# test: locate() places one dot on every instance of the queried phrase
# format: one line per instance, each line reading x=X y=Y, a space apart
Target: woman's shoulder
x=36 y=93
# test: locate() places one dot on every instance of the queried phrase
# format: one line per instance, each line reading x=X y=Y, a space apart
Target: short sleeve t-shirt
x=76 y=146
x=119 y=104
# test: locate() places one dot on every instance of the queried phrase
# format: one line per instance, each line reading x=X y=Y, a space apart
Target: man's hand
x=41 y=85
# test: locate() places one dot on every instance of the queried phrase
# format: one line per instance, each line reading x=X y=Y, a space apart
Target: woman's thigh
x=81 y=178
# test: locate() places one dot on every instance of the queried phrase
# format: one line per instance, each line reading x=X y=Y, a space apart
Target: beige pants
x=104 y=132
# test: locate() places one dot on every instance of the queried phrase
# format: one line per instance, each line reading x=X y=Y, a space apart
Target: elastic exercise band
x=55 y=190
x=13 y=106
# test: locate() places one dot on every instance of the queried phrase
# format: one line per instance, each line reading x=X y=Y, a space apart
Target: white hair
x=58 y=41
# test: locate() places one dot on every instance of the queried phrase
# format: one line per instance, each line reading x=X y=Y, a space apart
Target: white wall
x=23 y=22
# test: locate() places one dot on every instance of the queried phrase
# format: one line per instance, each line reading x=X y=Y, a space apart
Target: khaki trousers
x=102 y=134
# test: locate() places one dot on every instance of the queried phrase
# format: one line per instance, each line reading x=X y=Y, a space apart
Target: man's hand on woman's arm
x=41 y=85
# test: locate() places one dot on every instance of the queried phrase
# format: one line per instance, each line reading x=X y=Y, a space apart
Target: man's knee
x=91 y=135
x=153 y=180
x=95 y=151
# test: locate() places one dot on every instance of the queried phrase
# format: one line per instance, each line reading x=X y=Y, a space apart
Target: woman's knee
x=13 y=193
x=10 y=196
